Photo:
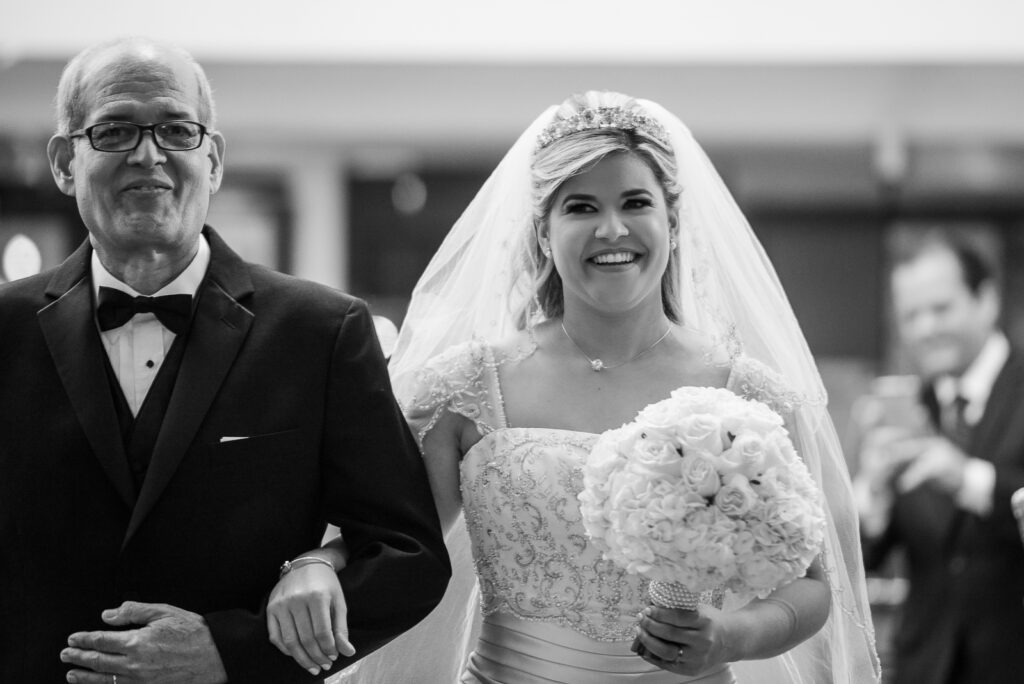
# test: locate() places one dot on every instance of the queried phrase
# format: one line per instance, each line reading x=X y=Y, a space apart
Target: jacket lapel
x=77 y=352
x=1003 y=403
x=219 y=327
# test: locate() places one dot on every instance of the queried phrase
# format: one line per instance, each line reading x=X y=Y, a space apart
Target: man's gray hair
x=70 y=107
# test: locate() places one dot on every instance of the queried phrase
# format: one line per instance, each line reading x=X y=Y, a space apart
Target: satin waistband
x=515 y=651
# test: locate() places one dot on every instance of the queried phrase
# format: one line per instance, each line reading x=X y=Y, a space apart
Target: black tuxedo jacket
x=290 y=367
x=963 y=620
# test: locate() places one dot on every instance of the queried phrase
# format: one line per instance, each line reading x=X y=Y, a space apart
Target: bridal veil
x=477 y=285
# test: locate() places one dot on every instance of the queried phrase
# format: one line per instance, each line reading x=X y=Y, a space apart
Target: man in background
x=936 y=481
x=176 y=423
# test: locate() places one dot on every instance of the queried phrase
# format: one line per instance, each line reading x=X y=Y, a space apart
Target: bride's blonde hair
x=574 y=152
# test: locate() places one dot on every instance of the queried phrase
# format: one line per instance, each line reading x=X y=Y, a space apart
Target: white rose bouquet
x=703 y=490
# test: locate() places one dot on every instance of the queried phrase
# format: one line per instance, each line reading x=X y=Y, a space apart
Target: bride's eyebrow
x=580 y=197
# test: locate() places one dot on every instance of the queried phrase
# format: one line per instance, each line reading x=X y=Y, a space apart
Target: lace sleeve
x=456 y=380
x=752 y=379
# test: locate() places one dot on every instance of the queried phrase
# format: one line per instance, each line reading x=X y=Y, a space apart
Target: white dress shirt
x=137 y=349
x=975 y=386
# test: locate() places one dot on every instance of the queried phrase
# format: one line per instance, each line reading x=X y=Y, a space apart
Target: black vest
x=140 y=432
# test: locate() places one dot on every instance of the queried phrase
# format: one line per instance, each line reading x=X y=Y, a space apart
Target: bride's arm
x=688 y=642
x=307 y=616
x=443 y=447
x=306 y=613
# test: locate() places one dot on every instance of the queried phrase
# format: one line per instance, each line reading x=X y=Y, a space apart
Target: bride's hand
x=308 y=619
x=685 y=642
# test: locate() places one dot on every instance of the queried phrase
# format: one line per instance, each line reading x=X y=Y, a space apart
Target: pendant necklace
x=597 y=365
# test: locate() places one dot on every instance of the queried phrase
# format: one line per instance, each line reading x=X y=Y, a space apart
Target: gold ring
x=679 y=656
x=114 y=679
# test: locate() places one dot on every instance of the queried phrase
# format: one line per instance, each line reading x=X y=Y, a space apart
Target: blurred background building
x=357 y=132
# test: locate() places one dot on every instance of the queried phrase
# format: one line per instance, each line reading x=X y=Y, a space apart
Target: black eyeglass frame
x=142 y=128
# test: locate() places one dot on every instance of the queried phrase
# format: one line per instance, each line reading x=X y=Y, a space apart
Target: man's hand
x=940 y=462
x=886 y=452
x=172 y=645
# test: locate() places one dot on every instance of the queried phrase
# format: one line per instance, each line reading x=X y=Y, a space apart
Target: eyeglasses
x=124 y=136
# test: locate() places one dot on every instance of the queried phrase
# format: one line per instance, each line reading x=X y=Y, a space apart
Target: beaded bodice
x=532 y=556
x=519 y=486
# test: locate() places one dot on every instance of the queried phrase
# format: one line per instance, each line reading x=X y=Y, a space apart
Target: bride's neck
x=614 y=337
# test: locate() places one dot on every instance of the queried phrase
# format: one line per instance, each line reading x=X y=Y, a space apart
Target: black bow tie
x=115 y=308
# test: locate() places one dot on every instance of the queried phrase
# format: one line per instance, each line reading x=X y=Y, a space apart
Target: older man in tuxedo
x=943 y=493
x=175 y=423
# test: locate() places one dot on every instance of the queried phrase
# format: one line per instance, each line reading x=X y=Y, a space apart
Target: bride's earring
x=545 y=250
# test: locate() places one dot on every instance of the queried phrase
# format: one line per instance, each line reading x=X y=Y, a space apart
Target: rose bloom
x=746 y=455
x=654 y=459
x=659 y=420
x=620 y=441
x=603 y=460
x=779 y=450
x=736 y=499
x=699 y=473
x=703 y=432
x=751 y=415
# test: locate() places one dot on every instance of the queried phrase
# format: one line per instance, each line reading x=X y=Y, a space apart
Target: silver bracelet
x=290 y=565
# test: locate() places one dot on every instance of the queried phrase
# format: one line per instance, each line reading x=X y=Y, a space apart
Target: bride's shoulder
x=754 y=379
x=698 y=360
x=458 y=365
x=697 y=344
x=745 y=375
x=457 y=381
x=469 y=365
x=514 y=347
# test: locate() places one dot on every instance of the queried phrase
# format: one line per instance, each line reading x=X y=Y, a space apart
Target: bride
x=602 y=266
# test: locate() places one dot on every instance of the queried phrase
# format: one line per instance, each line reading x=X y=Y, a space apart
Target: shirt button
x=150 y=364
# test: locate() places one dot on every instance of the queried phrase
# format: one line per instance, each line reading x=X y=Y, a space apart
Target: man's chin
x=150 y=227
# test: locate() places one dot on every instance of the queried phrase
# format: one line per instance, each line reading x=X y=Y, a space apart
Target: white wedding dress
x=553 y=609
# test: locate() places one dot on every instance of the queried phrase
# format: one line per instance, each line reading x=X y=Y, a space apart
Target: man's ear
x=61 y=151
x=990 y=302
x=216 y=156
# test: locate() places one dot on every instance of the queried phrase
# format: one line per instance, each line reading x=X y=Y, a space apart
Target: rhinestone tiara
x=603 y=117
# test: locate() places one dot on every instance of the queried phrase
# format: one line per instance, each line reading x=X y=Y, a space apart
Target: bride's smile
x=615 y=258
x=611 y=220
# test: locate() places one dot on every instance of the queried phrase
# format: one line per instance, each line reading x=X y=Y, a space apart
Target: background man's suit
x=966 y=572
x=279 y=420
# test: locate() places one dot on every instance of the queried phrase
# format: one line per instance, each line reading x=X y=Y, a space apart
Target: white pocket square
x=232 y=438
